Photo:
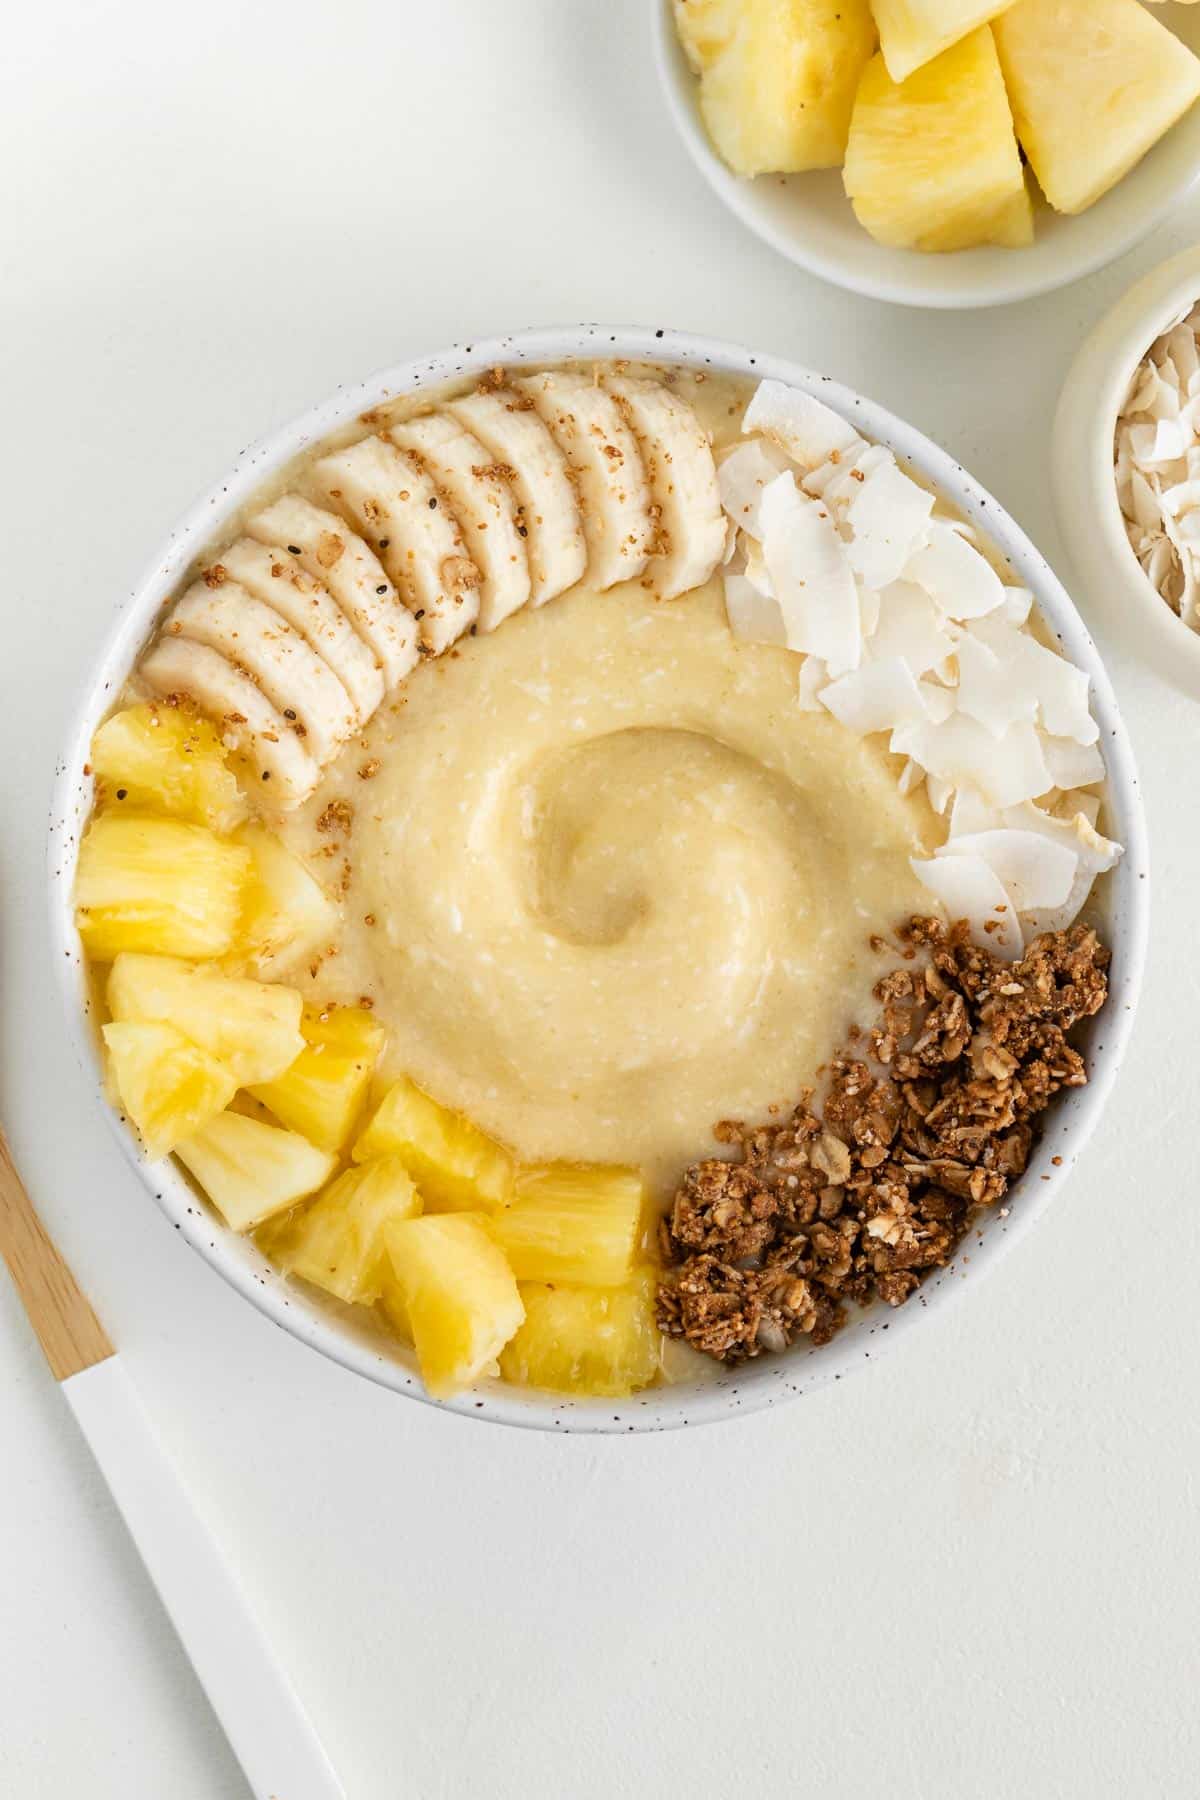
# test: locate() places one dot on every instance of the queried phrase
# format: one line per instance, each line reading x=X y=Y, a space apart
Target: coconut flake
x=1064 y=693
x=1142 y=388
x=940 y=791
x=1155 y=393
x=1180 y=346
x=877 y=697
x=972 y=813
x=939 y=701
x=1018 y=604
x=820 y=481
x=888 y=518
x=1095 y=856
x=1074 y=801
x=969 y=889
x=755 y=569
x=808 y=430
x=1060 y=918
x=911 y=778
x=1162 y=569
x=742 y=477
x=754 y=617
x=908 y=627
x=814 y=675
x=1149 y=506
x=1059 y=689
x=961 y=581
x=1078 y=832
x=1032 y=867
x=1182 y=585
x=987 y=692
x=811 y=576
x=1071 y=765
x=1145 y=504
x=1005 y=770
x=1158 y=443
x=848 y=478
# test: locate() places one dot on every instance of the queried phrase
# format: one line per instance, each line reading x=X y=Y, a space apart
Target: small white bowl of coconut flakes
x=1126 y=469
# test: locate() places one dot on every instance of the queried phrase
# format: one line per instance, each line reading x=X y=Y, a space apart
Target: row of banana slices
x=500 y=499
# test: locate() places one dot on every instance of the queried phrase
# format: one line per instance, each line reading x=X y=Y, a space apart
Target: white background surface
x=971 y=1572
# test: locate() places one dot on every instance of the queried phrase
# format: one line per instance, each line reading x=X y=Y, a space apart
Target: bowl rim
x=767 y=1381
x=1089 y=408
x=679 y=83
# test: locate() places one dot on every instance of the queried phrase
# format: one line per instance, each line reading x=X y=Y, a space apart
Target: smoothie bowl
x=600 y=875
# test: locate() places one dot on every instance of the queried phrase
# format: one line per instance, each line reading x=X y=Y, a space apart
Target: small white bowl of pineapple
x=948 y=212
x=244 y=1034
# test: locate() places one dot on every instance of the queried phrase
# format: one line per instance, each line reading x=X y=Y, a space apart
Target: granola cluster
x=927 y=1120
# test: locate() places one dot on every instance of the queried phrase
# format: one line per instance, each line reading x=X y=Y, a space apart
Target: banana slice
x=354 y=575
x=536 y=470
x=254 y=637
x=276 y=578
x=399 y=511
x=683 y=481
x=461 y=469
x=247 y=721
x=610 y=477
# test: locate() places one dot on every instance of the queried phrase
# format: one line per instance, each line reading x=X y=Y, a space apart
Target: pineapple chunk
x=705 y=28
x=322 y=1092
x=287 y=914
x=913 y=32
x=167 y=1085
x=458 y=1295
x=587 y=1340
x=157 y=885
x=456 y=1166
x=394 y=1310
x=1010 y=226
x=1094 y=84
x=573 y=1223
x=778 y=78
x=250 y=1026
x=250 y=1170
x=933 y=164
x=337 y=1243
x=167 y=759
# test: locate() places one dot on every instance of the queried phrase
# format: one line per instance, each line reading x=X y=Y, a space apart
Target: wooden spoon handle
x=68 y=1330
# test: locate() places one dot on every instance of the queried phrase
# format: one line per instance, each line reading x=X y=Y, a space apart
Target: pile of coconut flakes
x=905 y=626
x=1158 y=467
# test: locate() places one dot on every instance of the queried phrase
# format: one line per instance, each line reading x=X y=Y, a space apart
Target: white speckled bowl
x=808 y=218
x=1085 y=493
x=351 y=1339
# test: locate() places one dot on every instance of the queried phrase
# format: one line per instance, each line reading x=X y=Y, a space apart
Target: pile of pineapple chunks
x=471 y=1259
x=926 y=105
